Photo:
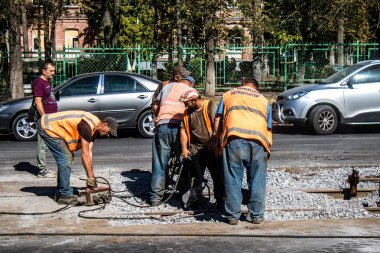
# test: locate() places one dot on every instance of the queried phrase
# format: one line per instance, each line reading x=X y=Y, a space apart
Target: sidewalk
x=28 y=194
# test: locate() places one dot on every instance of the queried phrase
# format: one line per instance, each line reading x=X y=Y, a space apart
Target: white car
x=350 y=96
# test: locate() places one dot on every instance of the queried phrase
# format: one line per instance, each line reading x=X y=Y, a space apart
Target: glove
x=91 y=183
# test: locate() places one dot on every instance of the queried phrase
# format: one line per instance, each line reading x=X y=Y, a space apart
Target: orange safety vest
x=205 y=116
x=170 y=107
x=64 y=125
x=245 y=116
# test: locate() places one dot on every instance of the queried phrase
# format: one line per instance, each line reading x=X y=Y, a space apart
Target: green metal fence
x=276 y=66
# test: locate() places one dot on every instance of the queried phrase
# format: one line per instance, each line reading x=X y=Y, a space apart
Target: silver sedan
x=125 y=96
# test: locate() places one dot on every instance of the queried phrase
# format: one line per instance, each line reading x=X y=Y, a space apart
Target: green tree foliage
x=316 y=20
x=119 y=22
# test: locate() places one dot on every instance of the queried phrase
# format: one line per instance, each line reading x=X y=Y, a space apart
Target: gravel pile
x=284 y=191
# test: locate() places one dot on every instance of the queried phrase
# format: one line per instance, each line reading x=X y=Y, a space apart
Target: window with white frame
x=71 y=38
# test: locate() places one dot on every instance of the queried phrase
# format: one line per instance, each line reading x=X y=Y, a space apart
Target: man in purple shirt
x=45 y=103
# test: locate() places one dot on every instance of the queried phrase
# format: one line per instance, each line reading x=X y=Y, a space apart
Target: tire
x=145 y=125
x=323 y=120
x=22 y=129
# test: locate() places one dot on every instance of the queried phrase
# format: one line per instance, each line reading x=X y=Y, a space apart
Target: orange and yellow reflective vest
x=245 y=116
x=64 y=125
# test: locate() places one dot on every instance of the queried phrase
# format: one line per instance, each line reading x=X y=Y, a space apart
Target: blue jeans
x=240 y=154
x=165 y=141
x=64 y=159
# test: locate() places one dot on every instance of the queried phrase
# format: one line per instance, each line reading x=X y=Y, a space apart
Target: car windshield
x=341 y=74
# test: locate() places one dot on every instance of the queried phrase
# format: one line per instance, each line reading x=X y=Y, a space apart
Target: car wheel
x=145 y=124
x=24 y=130
x=323 y=119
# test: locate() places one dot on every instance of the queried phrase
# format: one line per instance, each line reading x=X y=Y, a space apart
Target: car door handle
x=92 y=100
x=142 y=96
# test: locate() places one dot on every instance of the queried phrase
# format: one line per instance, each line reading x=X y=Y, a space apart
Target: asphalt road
x=354 y=146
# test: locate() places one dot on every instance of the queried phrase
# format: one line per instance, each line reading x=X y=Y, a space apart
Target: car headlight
x=3 y=107
x=297 y=95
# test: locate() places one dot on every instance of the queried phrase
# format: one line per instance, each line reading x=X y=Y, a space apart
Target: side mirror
x=349 y=83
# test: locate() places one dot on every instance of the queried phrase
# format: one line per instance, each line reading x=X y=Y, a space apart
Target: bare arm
x=39 y=105
x=184 y=140
x=216 y=124
x=87 y=157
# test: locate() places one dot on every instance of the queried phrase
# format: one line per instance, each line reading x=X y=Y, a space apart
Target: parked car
x=125 y=96
x=350 y=96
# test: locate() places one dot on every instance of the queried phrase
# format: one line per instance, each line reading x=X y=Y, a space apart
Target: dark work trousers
x=193 y=173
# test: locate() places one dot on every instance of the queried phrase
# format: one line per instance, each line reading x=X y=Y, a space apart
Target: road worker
x=68 y=131
x=166 y=138
x=246 y=139
x=197 y=133
x=178 y=73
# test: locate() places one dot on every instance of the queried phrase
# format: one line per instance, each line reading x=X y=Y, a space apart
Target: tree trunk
x=15 y=58
x=107 y=26
x=39 y=29
x=116 y=23
x=47 y=41
x=25 y=37
x=258 y=42
x=157 y=25
x=210 y=58
x=332 y=56
x=340 y=38
x=179 y=32
x=52 y=33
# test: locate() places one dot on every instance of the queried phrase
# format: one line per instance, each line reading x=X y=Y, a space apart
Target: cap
x=189 y=78
x=181 y=70
x=189 y=94
x=112 y=124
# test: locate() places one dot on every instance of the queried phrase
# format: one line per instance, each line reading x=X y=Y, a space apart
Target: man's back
x=170 y=109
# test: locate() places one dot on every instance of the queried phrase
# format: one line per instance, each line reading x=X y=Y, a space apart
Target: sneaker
x=46 y=173
x=232 y=221
x=67 y=200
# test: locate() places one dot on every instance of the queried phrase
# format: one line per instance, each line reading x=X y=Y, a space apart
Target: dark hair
x=251 y=80
x=47 y=63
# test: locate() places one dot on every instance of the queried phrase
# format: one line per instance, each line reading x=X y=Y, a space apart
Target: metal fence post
x=138 y=58
x=357 y=51
x=285 y=53
x=64 y=63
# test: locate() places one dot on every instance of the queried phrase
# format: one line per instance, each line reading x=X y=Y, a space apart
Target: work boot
x=154 y=202
x=67 y=200
x=255 y=220
x=46 y=173
x=232 y=220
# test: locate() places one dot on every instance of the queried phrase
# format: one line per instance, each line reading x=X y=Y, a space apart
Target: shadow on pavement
x=40 y=190
x=48 y=191
x=6 y=137
x=138 y=182
x=28 y=167
x=304 y=130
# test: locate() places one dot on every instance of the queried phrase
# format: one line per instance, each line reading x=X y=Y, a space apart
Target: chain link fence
x=277 y=67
